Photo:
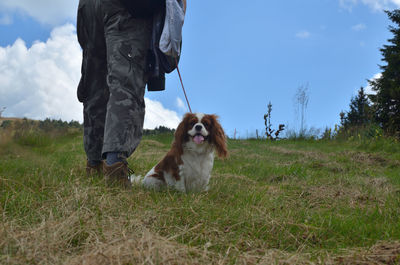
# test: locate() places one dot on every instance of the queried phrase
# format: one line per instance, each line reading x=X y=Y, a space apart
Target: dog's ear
x=181 y=134
x=218 y=137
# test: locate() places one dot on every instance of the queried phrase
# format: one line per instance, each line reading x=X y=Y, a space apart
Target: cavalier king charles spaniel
x=187 y=166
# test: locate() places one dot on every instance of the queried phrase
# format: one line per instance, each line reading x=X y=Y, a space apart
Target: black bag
x=143 y=8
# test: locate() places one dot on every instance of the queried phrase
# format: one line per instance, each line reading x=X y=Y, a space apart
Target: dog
x=187 y=166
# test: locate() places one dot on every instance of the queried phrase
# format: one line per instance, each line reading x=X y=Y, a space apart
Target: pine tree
x=386 y=102
x=360 y=113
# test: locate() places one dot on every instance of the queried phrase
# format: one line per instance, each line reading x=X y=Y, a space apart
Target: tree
x=1 y=111
x=301 y=102
x=359 y=113
x=386 y=102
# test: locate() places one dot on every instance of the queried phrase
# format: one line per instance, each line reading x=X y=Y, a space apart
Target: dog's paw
x=136 y=180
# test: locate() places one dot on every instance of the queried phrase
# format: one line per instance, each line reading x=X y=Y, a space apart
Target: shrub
x=6 y=124
x=361 y=132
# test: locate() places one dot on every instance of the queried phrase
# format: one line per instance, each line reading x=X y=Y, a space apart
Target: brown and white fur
x=187 y=166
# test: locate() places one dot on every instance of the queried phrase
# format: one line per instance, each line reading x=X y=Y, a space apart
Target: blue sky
x=236 y=58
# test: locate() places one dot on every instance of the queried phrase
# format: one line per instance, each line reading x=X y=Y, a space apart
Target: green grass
x=299 y=202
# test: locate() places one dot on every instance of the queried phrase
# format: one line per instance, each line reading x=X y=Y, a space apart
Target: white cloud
x=46 y=11
x=157 y=115
x=180 y=104
x=368 y=88
x=303 y=34
x=359 y=27
x=375 y=5
x=6 y=20
x=40 y=81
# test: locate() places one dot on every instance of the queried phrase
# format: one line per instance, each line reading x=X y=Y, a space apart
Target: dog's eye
x=206 y=124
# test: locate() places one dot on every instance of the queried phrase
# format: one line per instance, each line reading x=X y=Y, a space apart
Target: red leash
x=183 y=87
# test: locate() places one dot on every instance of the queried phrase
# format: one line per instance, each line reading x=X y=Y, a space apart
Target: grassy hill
x=286 y=202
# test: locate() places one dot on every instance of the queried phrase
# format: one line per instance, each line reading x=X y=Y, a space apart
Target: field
x=285 y=202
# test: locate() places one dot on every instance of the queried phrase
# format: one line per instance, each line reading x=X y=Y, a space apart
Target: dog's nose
x=198 y=128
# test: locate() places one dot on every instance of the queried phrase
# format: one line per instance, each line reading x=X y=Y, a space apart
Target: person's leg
x=127 y=41
x=93 y=89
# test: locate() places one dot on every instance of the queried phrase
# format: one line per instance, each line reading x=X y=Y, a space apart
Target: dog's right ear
x=181 y=134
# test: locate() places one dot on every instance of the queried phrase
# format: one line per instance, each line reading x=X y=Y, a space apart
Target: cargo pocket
x=133 y=67
x=134 y=58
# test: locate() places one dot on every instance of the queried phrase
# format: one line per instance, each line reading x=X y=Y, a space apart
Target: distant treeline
x=48 y=125
x=158 y=130
x=45 y=125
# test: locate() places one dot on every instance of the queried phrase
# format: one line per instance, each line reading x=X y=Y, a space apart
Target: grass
x=286 y=202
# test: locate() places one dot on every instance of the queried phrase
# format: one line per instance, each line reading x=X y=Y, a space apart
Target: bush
x=362 y=132
x=6 y=124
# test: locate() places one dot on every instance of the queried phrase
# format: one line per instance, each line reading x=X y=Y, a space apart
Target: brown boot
x=96 y=170
x=118 y=174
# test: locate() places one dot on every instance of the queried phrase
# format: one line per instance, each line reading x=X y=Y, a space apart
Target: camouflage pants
x=113 y=78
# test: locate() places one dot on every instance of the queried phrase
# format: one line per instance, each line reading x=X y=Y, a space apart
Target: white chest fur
x=195 y=172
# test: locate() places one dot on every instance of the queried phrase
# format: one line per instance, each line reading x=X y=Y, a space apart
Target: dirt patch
x=270 y=189
x=235 y=151
x=356 y=197
x=241 y=177
x=304 y=155
x=379 y=254
x=333 y=167
x=152 y=143
x=275 y=257
x=280 y=178
x=382 y=185
x=368 y=159
x=153 y=154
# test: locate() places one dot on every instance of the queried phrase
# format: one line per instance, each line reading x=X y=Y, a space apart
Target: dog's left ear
x=218 y=137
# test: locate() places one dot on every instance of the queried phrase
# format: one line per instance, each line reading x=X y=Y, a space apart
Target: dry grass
x=5 y=138
x=73 y=235
x=259 y=210
x=78 y=238
x=127 y=241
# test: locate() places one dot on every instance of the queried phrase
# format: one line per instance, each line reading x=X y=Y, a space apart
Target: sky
x=235 y=59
